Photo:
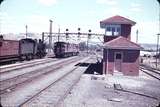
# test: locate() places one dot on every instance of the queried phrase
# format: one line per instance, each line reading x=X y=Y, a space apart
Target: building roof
x=122 y=43
x=118 y=20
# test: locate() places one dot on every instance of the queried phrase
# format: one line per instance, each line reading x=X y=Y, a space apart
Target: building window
x=118 y=31
x=108 y=29
x=113 y=30
x=118 y=56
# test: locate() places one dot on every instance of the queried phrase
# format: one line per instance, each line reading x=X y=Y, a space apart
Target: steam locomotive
x=24 y=49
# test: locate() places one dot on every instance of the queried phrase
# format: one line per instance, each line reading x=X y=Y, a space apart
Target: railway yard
x=79 y=61
x=50 y=82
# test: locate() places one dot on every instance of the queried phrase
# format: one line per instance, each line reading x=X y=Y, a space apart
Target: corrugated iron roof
x=122 y=43
x=118 y=20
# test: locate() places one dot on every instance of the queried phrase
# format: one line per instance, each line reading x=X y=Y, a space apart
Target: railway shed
x=120 y=54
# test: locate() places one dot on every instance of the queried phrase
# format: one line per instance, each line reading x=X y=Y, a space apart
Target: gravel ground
x=142 y=91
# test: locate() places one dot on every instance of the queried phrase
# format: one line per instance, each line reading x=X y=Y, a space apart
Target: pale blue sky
x=86 y=14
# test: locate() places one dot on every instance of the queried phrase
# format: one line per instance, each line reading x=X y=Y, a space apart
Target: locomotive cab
x=59 y=49
x=27 y=48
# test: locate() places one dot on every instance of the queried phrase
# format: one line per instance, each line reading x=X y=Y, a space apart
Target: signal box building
x=120 y=54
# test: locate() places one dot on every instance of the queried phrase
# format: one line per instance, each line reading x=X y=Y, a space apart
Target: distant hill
x=19 y=36
x=147 y=46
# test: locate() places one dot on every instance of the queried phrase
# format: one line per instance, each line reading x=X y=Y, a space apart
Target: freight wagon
x=9 y=49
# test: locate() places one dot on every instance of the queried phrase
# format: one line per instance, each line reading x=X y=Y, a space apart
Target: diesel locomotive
x=63 y=49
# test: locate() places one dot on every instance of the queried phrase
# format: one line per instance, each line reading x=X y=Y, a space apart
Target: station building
x=120 y=54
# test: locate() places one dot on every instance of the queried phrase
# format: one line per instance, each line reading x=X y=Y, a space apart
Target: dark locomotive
x=24 y=49
x=63 y=49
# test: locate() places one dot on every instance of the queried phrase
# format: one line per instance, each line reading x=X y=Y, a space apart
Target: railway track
x=64 y=84
x=34 y=88
x=20 y=63
x=11 y=83
x=151 y=72
x=151 y=69
x=7 y=75
x=25 y=65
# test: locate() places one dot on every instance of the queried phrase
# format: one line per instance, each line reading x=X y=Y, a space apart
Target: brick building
x=120 y=54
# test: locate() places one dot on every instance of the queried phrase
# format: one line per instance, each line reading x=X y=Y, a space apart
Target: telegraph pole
x=157 y=52
x=43 y=36
x=26 y=30
x=59 y=33
x=50 y=35
x=137 y=36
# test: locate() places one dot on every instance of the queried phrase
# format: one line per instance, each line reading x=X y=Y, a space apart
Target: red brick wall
x=110 y=69
x=108 y=38
x=131 y=69
x=130 y=64
x=126 y=31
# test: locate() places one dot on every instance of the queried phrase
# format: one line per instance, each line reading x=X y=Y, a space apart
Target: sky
x=74 y=14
